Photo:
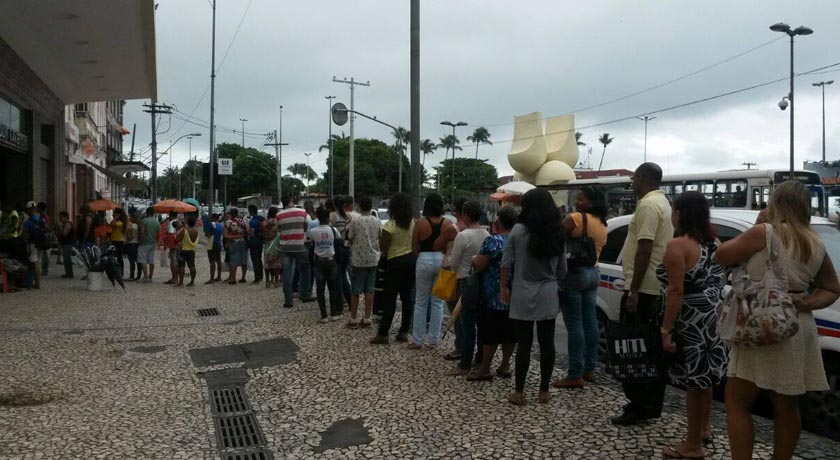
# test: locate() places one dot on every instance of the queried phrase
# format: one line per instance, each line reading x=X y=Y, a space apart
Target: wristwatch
x=664 y=331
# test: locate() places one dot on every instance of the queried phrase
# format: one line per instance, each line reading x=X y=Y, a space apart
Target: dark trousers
x=646 y=399
x=119 y=253
x=131 y=252
x=466 y=339
x=256 y=250
x=342 y=280
x=67 y=255
x=325 y=276
x=524 y=339
x=399 y=280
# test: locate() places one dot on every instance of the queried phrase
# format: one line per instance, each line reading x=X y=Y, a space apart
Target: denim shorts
x=362 y=280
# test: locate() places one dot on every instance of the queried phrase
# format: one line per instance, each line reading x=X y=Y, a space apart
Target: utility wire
x=657 y=86
x=230 y=45
x=666 y=109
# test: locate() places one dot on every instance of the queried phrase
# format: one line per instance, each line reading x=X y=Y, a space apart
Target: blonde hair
x=790 y=214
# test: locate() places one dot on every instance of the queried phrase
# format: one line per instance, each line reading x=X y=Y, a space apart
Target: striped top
x=291 y=225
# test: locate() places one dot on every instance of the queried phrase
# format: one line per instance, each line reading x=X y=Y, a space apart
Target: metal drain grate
x=208 y=312
x=237 y=432
x=250 y=455
x=228 y=401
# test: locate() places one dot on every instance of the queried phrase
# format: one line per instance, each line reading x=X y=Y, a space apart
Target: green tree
x=479 y=136
x=334 y=138
x=254 y=173
x=302 y=170
x=403 y=136
x=605 y=140
x=471 y=177
x=376 y=167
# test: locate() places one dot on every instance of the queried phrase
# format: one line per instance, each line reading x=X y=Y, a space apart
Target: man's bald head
x=650 y=173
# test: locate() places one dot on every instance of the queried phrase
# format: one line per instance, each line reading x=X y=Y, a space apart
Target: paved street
x=110 y=375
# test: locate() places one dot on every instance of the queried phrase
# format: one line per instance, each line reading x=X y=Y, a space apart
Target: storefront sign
x=12 y=138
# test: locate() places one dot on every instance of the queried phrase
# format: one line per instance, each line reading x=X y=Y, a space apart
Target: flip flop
x=672 y=453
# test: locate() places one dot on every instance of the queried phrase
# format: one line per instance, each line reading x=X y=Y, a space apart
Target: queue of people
x=503 y=287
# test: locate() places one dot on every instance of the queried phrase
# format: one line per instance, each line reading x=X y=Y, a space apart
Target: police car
x=820 y=411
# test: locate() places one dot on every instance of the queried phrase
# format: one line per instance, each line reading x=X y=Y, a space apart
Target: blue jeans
x=290 y=261
x=578 y=307
x=426 y=273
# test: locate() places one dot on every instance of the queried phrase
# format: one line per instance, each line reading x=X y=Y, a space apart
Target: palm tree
x=479 y=136
x=450 y=141
x=427 y=147
x=334 y=138
x=578 y=135
x=606 y=140
x=403 y=136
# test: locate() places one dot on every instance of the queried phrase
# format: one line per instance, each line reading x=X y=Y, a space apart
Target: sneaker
x=287 y=305
x=325 y=320
x=402 y=338
x=379 y=340
x=414 y=346
x=336 y=317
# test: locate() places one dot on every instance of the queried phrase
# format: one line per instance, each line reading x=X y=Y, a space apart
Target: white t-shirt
x=322 y=238
x=467 y=244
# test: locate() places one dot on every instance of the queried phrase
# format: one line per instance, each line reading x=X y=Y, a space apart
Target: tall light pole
x=352 y=82
x=646 y=119
x=212 y=194
x=307 y=172
x=801 y=30
x=243 y=120
x=453 y=125
x=822 y=85
x=189 y=139
x=330 y=143
x=415 y=104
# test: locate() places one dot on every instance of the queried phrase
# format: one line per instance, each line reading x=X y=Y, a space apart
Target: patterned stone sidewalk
x=109 y=375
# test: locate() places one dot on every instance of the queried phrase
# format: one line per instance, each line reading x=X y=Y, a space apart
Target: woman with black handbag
x=587 y=233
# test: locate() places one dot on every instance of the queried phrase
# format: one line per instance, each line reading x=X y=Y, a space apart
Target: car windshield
x=831 y=238
x=383 y=214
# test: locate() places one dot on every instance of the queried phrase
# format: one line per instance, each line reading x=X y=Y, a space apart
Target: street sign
x=225 y=166
x=339 y=113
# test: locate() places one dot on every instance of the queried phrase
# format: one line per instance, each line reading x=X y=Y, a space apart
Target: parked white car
x=820 y=411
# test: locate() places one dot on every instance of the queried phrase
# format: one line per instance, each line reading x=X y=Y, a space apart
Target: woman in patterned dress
x=273 y=262
x=693 y=284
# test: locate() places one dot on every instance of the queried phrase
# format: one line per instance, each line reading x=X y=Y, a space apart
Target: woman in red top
x=234 y=234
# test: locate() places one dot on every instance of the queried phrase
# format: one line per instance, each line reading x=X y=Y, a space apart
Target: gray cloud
x=485 y=61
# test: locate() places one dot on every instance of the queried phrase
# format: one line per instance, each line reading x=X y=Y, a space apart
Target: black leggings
x=525 y=337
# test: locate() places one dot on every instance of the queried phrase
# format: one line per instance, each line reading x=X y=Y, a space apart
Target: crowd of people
x=506 y=282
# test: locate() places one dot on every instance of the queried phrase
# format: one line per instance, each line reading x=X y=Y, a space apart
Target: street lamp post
x=822 y=86
x=243 y=120
x=453 y=125
x=189 y=139
x=307 y=172
x=330 y=144
x=801 y=30
x=646 y=119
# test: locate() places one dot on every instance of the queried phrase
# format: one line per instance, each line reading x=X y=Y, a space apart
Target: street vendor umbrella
x=516 y=187
x=173 y=206
x=193 y=202
x=102 y=205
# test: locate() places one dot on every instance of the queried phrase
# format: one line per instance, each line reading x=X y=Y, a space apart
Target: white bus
x=744 y=189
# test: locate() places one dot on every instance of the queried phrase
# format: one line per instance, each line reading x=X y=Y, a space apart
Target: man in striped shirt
x=291 y=228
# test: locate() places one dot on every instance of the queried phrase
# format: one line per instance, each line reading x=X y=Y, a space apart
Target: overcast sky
x=484 y=62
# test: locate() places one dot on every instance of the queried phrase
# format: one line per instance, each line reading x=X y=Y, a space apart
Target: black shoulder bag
x=581 y=251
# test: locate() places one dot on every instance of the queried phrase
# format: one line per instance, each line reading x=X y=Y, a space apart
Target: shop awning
x=124 y=167
x=92 y=50
x=129 y=183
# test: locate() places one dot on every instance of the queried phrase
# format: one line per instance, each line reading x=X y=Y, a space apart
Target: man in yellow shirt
x=649 y=233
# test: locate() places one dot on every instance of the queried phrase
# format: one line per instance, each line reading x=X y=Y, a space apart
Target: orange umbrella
x=173 y=206
x=102 y=205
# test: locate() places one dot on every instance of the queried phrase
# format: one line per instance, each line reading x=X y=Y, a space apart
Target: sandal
x=517 y=399
x=365 y=323
x=543 y=397
x=452 y=356
x=672 y=453
x=352 y=325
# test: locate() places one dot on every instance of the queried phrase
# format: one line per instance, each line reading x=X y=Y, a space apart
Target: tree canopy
x=471 y=177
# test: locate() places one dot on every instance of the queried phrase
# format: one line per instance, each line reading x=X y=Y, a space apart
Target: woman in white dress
x=794 y=366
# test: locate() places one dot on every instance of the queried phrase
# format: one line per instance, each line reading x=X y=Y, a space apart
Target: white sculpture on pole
x=543 y=156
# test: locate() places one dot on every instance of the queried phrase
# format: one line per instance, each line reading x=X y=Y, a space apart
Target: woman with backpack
x=587 y=233
x=323 y=239
x=793 y=366
x=341 y=219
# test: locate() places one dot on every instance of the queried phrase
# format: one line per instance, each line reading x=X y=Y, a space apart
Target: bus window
x=731 y=194
x=760 y=197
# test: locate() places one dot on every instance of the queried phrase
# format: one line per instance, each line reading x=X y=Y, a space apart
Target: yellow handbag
x=446 y=286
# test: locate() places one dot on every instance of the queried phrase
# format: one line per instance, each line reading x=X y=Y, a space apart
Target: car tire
x=821 y=409
x=602 y=335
